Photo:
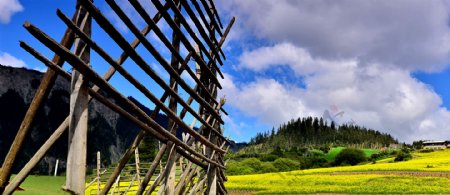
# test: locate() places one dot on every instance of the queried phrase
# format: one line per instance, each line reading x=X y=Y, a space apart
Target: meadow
x=426 y=173
x=335 y=151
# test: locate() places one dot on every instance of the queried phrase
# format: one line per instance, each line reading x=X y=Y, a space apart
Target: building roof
x=435 y=142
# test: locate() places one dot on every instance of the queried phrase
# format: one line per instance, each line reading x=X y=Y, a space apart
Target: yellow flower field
x=425 y=173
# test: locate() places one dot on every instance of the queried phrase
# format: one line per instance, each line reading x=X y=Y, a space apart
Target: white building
x=436 y=144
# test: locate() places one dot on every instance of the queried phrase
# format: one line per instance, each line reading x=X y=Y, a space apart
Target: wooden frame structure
x=194 y=25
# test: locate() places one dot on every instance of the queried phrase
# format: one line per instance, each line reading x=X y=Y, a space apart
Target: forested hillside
x=316 y=132
x=108 y=132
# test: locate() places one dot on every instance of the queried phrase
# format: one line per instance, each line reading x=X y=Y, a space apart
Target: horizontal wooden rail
x=154 y=128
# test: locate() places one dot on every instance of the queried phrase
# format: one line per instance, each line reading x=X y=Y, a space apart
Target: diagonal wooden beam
x=149 y=125
x=47 y=82
x=20 y=177
x=121 y=41
x=185 y=41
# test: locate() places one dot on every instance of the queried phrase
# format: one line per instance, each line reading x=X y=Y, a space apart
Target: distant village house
x=436 y=144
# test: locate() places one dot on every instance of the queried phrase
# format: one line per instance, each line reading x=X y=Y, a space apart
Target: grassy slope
x=325 y=180
x=42 y=185
x=334 y=151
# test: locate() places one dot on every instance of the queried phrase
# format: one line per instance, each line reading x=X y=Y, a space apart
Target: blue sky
x=385 y=64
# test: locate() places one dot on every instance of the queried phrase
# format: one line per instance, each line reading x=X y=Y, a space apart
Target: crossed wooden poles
x=202 y=149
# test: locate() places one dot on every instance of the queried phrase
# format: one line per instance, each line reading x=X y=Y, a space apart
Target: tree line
x=311 y=132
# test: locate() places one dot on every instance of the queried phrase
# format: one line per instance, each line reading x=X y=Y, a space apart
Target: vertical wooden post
x=41 y=93
x=138 y=172
x=160 y=161
x=211 y=188
x=170 y=177
x=211 y=176
x=56 y=167
x=98 y=172
x=78 y=126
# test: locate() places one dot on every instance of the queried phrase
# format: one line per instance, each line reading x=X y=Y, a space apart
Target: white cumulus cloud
x=9 y=60
x=412 y=34
x=381 y=97
x=8 y=8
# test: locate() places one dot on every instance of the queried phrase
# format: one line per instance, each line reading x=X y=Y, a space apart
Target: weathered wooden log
x=213 y=7
x=47 y=82
x=20 y=177
x=199 y=26
x=78 y=115
x=159 y=34
x=150 y=125
x=139 y=137
x=136 y=83
x=120 y=40
x=169 y=20
x=211 y=16
x=128 y=22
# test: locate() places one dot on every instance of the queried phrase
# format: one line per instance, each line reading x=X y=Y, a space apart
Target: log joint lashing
x=204 y=92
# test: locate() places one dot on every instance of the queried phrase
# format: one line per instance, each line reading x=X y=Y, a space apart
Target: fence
x=194 y=26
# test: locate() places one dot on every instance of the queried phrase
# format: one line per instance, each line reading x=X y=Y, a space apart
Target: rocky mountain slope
x=17 y=89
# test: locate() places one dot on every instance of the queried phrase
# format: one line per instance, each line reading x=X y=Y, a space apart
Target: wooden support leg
x=78 y=124
x=41 y=93
x=98 y=172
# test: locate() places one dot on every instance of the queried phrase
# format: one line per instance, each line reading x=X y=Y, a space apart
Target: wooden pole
x=20 y=177
x=102 y=21
x=41 y=93
x=98 y=172
x=137 y=163
x=141 y=119
x=158 y=32
x=170 y=175
x=78 y=121
x=56 y=167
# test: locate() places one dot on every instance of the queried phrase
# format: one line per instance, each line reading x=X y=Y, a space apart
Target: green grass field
x=334 y=151
x=426 y=173
x=42 y=185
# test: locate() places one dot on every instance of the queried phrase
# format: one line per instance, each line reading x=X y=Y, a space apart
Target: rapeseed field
x=426 y=173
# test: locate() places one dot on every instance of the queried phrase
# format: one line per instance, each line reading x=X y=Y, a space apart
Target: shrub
x=324 y=149
x=350 y=156
x=236 y=168
x=375 y=156
x=268 y=167
x=253 y=163
x=268 y=157
x=402 y=156
x=394 y=152
x=315 y=153
x=313 y=162
x=406 y=150
x=426 y=150
x=285 y=164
